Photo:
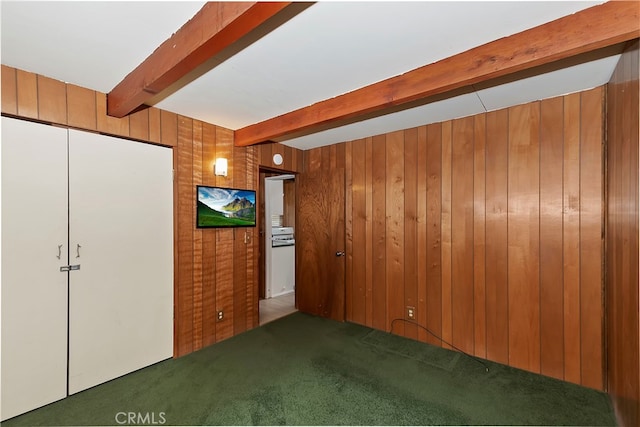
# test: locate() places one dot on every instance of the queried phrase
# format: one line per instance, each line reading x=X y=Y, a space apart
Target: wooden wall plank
x=446 y=225
x=497 y=294
x=266 y=154
x=368 y=244
x=81 y=108
x=591 y=250
x=185 y=224
x=333 y=156
x=434 y=234
x=252 y=302
x=27 y=91
x=421 y=232
x=379 y=288
x=208 y=243
x=358 y=237
x=225 y=244
x=479 y=293
x=224 y=283
x=168 y=128
x=340 y=155
x=462 y=173
x=395 y=230
x=348 y=207
x=9 y=91
x=52 y=100
x=524 y=262
x=410 y=229
x=240 y=283
x=139 y=125
x=325 y=157
x=571 y=238
x=313 y=160
x=622 y=260
x=551 y=271
x=198 y=257
x=155 y=126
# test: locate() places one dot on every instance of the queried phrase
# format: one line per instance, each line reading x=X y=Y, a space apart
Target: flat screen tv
x=225 y=207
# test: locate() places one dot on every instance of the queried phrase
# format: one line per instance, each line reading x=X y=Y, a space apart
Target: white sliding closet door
x=34 y=247
x=121 y=234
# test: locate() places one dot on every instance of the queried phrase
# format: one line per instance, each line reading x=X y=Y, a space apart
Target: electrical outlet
x=220 y=315
x=411 y=313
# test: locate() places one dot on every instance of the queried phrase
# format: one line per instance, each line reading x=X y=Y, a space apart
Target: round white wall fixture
x=277 y=159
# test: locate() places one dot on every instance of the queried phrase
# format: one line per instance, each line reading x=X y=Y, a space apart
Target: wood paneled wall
x=490 y=227
x=215 y=270
x=623 y=220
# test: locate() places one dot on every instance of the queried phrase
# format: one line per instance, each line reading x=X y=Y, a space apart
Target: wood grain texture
x=198 y=256
x=496 y=225
x=9 y=91
x=524 y=262
x=479 y=238
x=155 y=128
x=225 y=248
x=81 y=108
x=240 y=283
x=379 y=234
x=293 y=159
x=446 y=231
x=350 y=283
x=622 y=227
x=168 y=128
x=27 y=91
x=208 y=244
x=368 y=248
x=356 y=203
x=108 y=124
x=320 y=274
x=551 y=270
x=462 y=295
x=184 y=302
x=410 y=229
x=434 y=234
x=395 y=230
x=253 y=318
x=139 y=125
x=591 y=232
x=52 y=100
x=571 y=238
x=422 y=225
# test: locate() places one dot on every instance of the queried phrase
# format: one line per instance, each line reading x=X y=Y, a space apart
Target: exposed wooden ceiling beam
x=594 y=28
x=216 y=27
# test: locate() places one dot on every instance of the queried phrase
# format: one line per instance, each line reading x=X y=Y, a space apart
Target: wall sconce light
x=220 y=168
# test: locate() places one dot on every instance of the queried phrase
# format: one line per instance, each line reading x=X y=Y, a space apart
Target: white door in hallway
x=121 y=234
x=34 y=247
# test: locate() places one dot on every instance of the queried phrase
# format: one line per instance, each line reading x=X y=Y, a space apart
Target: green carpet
x=304 y=370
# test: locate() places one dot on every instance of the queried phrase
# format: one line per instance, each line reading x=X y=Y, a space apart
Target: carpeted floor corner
x=304 y=370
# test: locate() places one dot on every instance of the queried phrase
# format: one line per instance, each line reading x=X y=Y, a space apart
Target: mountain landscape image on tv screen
x=226 y=207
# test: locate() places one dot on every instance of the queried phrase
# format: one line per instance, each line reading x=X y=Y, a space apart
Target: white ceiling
x=328 y=49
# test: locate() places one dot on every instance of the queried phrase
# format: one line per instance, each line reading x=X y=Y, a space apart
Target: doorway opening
x=277 y=246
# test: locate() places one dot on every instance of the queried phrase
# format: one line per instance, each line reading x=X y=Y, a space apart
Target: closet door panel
x=34 y=291
x=121 y=234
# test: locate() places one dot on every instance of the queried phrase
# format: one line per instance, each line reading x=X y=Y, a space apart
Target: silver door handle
x=78 y=251
x=59 y=251
x=340 y=253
